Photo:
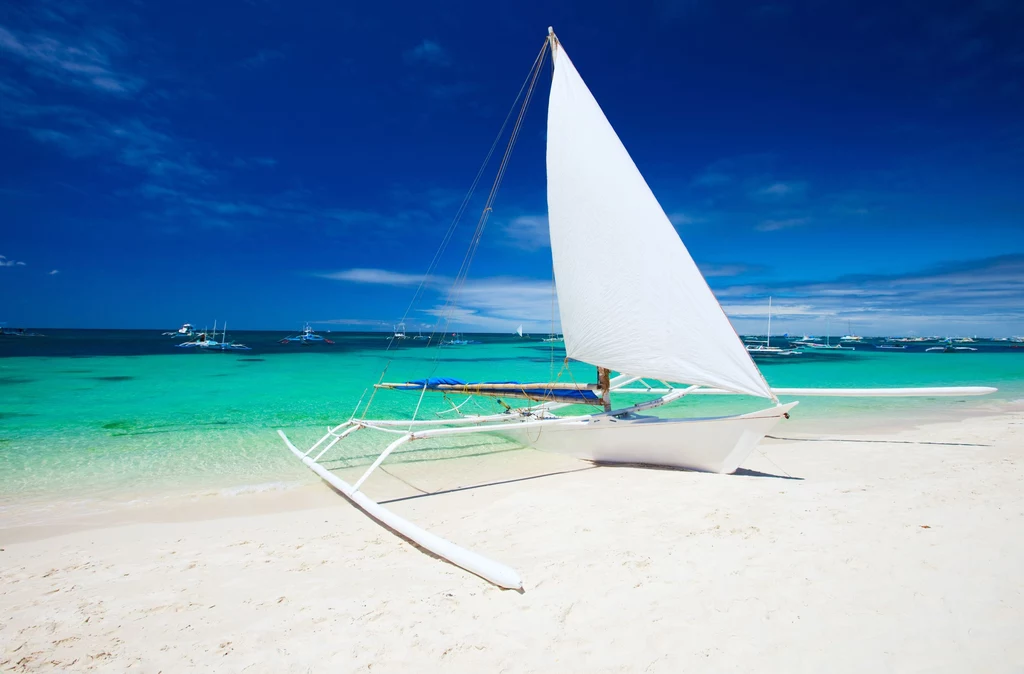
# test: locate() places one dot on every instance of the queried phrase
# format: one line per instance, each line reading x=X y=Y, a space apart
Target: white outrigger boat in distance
x=632 y=301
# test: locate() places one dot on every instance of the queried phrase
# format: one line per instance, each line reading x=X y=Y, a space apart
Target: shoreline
x=46 y=516
x=894 y=553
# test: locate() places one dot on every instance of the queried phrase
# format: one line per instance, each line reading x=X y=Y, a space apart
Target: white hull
x=713 y=445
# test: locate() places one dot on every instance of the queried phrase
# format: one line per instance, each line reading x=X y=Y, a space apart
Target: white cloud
x=733 y=269
x=498 y=303
x=780 y=190
x=383 y=277
x=82 y=61
x=428 y=52
x=4 y=262
x=681 y=219
x=528 y=232
x=775 y=225
x=54 y=272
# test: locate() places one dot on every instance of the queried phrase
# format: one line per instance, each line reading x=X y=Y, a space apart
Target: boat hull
x=713 y=445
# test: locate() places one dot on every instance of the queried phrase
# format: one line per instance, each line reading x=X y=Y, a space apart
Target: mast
x=604 y=383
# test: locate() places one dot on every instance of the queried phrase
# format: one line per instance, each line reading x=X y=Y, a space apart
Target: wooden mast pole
x=604 y=383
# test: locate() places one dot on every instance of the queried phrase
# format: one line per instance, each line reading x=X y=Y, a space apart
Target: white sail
x=519 y=331
x=630 y=297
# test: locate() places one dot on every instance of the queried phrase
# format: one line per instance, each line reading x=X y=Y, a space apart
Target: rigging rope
x=448 y=310
x=451 y=305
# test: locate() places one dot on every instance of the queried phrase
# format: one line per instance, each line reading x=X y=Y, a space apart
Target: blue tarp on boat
x=583 y=395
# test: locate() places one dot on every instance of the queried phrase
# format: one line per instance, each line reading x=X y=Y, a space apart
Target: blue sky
x=269 y=163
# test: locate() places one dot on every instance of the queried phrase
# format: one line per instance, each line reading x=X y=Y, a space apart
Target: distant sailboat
x=851 y=337
x=632 y=300
x=827 y=346
x=765 y=349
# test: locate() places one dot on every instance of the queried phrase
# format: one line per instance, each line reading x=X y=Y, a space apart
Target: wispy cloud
x=527 y=232
x=134 y=142
x=383 y=277
x=428 y=52
x=4 y=262
x=711 y=178
x=967 y=296
x=775 y=225
x=496 y=303
x=501 y=303
x=683 y=219
x=779 y=190
x=711 y=270
x=730 y=171
x=958 y=297
x=84 y=61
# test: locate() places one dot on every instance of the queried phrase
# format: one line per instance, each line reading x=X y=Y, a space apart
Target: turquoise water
x=109 y=424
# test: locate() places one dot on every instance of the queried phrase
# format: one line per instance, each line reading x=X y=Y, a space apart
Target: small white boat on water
x=186 y=330
x=764 y=350
x=828 y=345
x=631 y=300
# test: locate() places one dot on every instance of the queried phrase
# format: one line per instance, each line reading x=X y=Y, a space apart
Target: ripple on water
x=120 y=377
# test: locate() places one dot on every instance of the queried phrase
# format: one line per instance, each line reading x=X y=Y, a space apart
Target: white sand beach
x=888 y=550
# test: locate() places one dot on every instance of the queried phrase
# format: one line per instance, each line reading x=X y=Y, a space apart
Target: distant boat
x=850 y=337
x=827 y=346
x=205 y=343
x=553 y=338
x=762 y=350
x=892 y=347
x=399 y=331
x=519 y=330
x=458 y=340
x=18 y=332
x=949 y=348
x=765 y=349
x=306 y=338
x=186 y=330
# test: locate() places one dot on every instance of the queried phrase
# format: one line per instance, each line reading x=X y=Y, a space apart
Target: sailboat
x=765 y=349
x=851 y=338
x=827 y=346
x=632 y=301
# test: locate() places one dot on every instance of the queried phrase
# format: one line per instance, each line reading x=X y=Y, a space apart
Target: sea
x=98 y=414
